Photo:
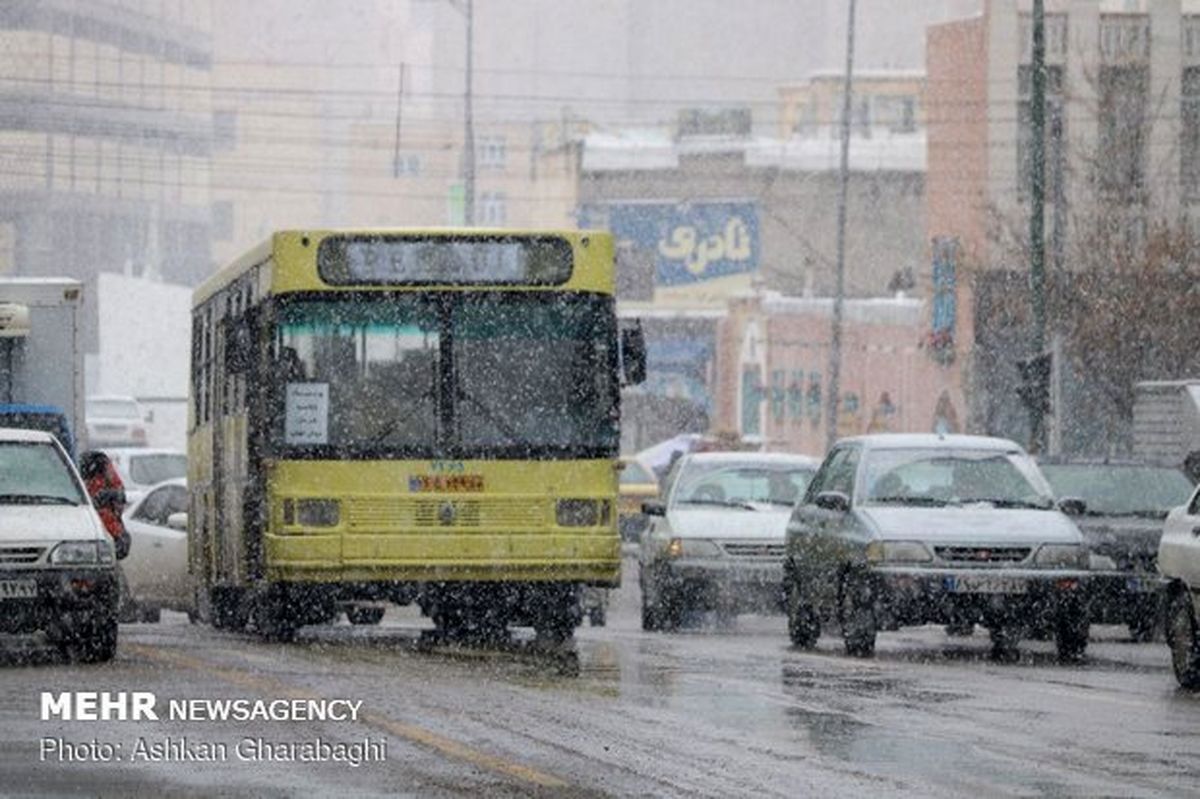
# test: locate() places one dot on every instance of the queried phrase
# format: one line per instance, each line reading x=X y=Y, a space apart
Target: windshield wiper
x=35 y=499
x=926 y=502
x=1001 y=502
x=718 y=502
x=395 y=423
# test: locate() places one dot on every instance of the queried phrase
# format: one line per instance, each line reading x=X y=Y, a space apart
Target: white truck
x=1166 y=420
x=41 y=357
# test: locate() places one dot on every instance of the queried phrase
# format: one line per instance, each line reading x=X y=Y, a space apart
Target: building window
x=1121 y=160
x=795 y=396
x=1190 y=133
x=1055 y=134
x=778 y=394
x=491 y=152
x=406 y=164
x=897 y=113
x=492 y=209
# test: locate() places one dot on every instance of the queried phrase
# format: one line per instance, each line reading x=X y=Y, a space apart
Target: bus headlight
x=317 y=512
x=582 y=512
x=1062 y=556
x=898 y=552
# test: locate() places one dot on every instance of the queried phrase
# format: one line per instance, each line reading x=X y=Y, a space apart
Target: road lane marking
x=420 y=736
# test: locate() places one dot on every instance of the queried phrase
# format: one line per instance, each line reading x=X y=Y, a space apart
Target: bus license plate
x=983 y=584
x=18 y=589
x=1140 y=585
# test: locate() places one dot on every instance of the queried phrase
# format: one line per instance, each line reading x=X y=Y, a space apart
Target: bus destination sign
x=445 y=260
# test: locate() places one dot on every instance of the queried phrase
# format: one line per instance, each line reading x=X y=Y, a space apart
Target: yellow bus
x=425 y=416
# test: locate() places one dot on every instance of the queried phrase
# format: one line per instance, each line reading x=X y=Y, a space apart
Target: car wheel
x=94 y=641
x=804 y=625
x=1071 y=630
x=1005 y=638
x=1183 y=640
x=856 y=613
x=365 y=614
x=1144 y=625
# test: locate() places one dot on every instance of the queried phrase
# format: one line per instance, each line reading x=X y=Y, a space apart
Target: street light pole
x=839 y=296
x=469 y=124
x=1037 y=215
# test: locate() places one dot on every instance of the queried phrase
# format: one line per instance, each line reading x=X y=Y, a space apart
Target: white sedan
x=143 y=467
x=156 y=569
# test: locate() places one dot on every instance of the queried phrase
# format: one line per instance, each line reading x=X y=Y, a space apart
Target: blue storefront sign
x=691 y=242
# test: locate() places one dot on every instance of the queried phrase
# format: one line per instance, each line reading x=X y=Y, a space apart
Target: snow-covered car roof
x=932 y=441
x=765 y=458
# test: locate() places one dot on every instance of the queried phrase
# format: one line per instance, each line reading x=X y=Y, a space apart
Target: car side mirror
x=1072 y=506
x=654 y=508
x=833 y=500
x=177 y=521
x=149 y=417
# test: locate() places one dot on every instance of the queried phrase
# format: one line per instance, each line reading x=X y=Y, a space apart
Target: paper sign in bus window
x=307 y=417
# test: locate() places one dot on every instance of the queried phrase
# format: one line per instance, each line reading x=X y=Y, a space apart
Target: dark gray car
x=915 y=529
x=1124 y=505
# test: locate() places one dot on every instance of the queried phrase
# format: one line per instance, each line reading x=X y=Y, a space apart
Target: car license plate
x=18 y=589
x=983 y=584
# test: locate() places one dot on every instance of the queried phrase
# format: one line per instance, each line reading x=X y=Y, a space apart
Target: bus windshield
x=446 y=375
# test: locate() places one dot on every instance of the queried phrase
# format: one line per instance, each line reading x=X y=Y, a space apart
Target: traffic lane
x=521 y=704
x=938 y=708
x=158 y=659
x=702 y=712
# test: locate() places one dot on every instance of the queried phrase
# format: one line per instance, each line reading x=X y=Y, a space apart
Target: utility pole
x=469 y=124
x=1037 y=217
x=839 y=296
x=399 y=110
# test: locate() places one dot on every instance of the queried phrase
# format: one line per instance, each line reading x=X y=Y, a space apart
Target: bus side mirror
x=633 y=355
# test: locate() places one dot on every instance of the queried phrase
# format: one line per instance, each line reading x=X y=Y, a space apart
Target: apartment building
x=1121 y=154
x=105 y=138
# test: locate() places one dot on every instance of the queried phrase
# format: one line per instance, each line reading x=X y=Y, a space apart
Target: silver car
x=716 y=543
x=914 y=529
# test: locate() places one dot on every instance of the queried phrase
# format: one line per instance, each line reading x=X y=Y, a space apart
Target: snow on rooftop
x=643 y=150
x=898 y=310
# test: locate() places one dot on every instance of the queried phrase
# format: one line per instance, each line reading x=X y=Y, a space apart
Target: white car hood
x=971 y=523
x=48 y=523
x=728 y=523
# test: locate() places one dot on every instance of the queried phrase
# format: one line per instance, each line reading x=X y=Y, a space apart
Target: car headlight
x=582 y=513
x=692 y=548
x=81 y=553
x=312 y=512
x=898 y=552
x=1062 y=556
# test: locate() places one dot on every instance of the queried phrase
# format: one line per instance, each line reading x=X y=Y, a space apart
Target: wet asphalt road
x=706 y=711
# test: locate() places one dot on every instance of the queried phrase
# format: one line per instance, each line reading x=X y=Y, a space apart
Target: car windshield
x=113 y=409
x=448 y=375
x=151 y=469
x=946 y=476
x=1120 y=490
x=738 y=484
x=37 y=473
x=634 y=473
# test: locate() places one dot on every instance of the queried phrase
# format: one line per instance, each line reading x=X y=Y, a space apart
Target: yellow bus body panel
x=503 y=527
